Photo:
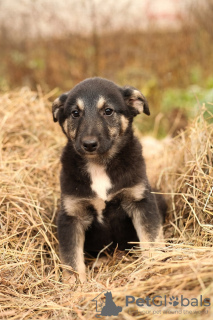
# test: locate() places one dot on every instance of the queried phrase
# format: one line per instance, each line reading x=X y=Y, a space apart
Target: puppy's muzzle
x=90 y=144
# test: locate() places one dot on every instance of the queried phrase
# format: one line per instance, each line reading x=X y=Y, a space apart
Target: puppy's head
x=96 y=115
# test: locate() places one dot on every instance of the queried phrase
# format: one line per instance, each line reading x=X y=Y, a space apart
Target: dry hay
x=30 y=269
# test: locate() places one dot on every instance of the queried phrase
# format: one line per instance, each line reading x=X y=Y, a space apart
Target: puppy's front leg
x=147 y=221
x=71 y=233
x=149 y=234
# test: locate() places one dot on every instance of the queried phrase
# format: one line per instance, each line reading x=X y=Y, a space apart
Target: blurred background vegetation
x=45 y=45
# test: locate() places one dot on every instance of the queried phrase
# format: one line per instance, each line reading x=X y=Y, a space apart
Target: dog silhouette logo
x=110 y=308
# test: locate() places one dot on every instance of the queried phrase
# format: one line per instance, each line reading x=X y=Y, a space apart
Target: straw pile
x=30 y=269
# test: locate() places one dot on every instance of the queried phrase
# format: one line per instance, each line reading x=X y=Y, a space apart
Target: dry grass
x=30 y=270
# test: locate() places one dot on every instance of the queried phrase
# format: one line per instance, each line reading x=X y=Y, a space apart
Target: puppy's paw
x=68 y=278
x=73 y=278
x=82 y=277
x=152 y=253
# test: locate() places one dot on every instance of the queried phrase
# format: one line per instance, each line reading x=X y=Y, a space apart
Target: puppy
x=105 y=194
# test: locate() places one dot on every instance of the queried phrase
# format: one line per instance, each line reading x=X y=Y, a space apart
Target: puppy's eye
x=75 y=114
x=108 y=111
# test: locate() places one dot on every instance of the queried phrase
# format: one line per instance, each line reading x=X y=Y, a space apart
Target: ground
x=30 y=268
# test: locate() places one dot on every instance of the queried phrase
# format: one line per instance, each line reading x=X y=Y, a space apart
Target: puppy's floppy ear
x=135 y=99
x=58 y=106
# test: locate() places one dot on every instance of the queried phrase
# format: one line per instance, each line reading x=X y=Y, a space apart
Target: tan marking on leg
x=101 y=102
x=144 y=238
x=80 y=104
x=160 y=238
x=135 y=193
x=124 y=123
x=77 y=207
x=73 y=206
x=81 y=269
x=78 y=259
x=70 y=278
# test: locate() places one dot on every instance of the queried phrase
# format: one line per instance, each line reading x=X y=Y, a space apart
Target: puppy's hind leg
x=71 y=235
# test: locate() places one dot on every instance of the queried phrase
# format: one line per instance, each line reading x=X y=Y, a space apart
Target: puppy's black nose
x=90 y=145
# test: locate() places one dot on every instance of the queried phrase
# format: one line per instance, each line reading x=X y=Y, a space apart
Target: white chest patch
x=100 y=181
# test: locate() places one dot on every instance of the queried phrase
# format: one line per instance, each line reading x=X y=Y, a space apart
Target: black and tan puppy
x=105 y=193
